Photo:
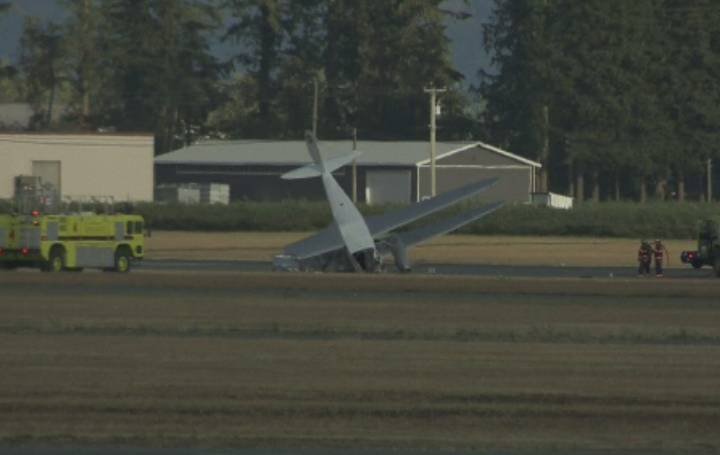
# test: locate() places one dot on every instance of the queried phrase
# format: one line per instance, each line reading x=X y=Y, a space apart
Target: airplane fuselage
x=349 y=221
x=353 y=243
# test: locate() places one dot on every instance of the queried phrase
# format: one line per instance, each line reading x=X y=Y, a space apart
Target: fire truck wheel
x=56 y=261
x=122 y=260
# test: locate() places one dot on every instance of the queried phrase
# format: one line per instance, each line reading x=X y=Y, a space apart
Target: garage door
x=388 y=187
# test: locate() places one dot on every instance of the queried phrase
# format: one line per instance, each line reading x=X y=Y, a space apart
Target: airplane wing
x=329 y=239
x=325 y=241
x=425 y=233
x=382 y=224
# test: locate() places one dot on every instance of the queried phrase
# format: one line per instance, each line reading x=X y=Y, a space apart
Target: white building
x=80 y=165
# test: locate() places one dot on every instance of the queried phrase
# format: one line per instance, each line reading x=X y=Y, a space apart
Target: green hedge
x=630 y=220
x=666 y=220
x=241 y=216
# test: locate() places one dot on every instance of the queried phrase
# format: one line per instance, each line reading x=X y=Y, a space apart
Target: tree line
x=624 y=94
x=148 y=65
x=615 y=98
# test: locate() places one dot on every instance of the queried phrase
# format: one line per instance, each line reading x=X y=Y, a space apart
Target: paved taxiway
x=127 y=451
x=441 y=269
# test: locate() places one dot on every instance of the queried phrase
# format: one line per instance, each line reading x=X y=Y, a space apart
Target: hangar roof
x=267 y=152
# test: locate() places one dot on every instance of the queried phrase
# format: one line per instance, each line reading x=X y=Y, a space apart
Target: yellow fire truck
x=71 y=242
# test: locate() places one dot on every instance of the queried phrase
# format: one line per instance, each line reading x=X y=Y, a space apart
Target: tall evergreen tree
x=188 y=73
x=518 y=92
x=40 y=60
x=82 y=56
x=373 y=57
x=342 y=66
x=130 y=56
x=5 y=69
x=257 y=28
x=596 y=80
x=301 y=65
x=158 y=66
x=631 y=87
x=689 y=86
x=402 y=48
x=282 y=44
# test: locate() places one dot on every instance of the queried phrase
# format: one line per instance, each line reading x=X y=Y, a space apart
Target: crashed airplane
x=353 y=243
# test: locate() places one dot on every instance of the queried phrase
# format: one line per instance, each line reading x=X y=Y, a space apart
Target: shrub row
x=665 y=220
x=241 y=216
x=660 y=220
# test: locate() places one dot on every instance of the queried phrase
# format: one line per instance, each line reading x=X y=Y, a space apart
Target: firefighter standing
x=660 y=253
x=644 y=258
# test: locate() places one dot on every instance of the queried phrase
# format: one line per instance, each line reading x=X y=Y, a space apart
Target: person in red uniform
x=644 y=258
x=660 y=253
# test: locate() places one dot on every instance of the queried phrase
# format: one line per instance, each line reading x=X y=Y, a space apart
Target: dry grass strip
x=451 y=249
x=383 y=283
x=160 y=359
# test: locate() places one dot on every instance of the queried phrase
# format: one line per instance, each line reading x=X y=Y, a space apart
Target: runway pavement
x=128 y=451
x=442 y=269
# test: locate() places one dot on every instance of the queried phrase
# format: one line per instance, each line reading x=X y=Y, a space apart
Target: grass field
x=453 y=363
x=454 y=249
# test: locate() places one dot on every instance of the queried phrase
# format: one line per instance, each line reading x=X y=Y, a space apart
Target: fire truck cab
x=71 y=242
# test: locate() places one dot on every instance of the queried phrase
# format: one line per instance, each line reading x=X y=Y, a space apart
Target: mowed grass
x=452 y=249
x=207 y=361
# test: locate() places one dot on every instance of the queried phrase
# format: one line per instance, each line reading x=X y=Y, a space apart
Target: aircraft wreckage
x=354 y=243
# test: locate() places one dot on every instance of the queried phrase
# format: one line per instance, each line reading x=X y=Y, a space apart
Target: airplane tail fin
x=312 y=147
x=320 y=165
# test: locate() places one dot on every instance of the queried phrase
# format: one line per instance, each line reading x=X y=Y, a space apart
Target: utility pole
x=86 y=67
x=354 y=168
x=433 y=129
x=316 y=85
x=545 y=153
x=709 y=180
x=544 y=186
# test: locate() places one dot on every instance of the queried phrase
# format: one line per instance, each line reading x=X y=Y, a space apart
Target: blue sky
x=466 y=36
